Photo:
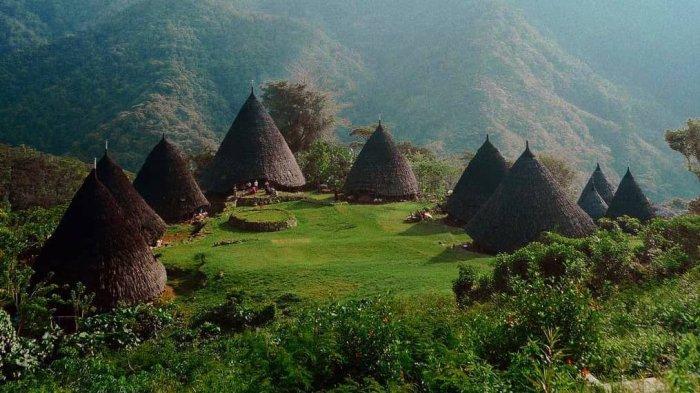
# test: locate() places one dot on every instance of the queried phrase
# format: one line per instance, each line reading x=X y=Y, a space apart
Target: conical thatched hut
x=592 y=203
x=167 y=185
x=629 y=200
x=96 y=245
x=381 y=171
x=253 y=149
x=478 y=182
x=526 y=203
x=132 y=204
x=602 y=185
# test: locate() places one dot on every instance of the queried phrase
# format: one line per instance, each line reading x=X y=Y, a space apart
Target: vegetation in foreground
x=353 y=300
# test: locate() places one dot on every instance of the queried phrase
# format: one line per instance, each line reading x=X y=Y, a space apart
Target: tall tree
x=687 y=142
x=302 y=112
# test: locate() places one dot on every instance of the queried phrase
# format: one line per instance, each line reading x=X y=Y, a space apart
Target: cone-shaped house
x=253 y=149
x=602 y=185
x=381 y=171
x=478 y=182
x=167 y=185
x=96 y=245
x=526 y=203
x=132 y=204
x=592 y=203
x=629 y=200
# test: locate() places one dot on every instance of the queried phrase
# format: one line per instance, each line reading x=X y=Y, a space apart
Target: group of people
x=251 y=188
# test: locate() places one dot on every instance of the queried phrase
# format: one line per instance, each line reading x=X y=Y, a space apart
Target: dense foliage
x=302 y=112
x=77 y=73
x=616 y=304
x=29 y=178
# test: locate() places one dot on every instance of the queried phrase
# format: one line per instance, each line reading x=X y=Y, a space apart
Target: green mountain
x=157 y=66
x=442 y=72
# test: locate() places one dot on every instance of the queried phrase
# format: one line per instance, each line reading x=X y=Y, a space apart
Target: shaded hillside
x=443 y=72
x=25 y=23
x=451 y=70
x=157 y=66
x=29 y=178
x=649 y=45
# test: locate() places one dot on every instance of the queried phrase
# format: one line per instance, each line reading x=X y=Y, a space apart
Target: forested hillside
x=158 y=66
x=442 y=73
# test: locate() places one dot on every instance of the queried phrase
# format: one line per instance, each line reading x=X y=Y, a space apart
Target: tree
x=326 y=163
x=561 y=170
x=302 y=112
x=687 y=142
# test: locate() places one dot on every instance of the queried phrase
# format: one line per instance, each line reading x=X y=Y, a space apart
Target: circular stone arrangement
x=262 y=220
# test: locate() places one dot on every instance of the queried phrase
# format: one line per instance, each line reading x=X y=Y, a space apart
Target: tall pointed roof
x=479 y=180
x=132 y=204
x=526 y=203
x=602 y=185
x=381 y=170
x=591 y=202
x=253 y=149
x=167 y=185
x=629 y=200
x=96 y=245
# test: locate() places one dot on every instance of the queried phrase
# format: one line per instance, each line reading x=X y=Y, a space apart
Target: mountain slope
x=452 y=70
x=157 y=66
x=442 y=72
x=645 y=45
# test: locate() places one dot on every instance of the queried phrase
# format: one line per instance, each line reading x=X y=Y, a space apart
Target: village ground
x=337 y=251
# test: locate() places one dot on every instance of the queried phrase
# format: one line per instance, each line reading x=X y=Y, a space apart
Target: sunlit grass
x=337 y=251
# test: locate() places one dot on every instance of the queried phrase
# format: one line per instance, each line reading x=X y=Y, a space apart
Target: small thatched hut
x=132 y=204
x=167 y=185
x=381 y=171
x=96 y=245
x=253 y=149
x=591 y=202
x=602 y=185
x=478 y=182
x=629 y=200
x=526 y=203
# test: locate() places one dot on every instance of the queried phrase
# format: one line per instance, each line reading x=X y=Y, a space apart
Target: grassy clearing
x=337 y=251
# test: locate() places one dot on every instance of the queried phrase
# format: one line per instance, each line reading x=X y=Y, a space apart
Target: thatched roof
x=602 y=185
x=132 y=204
x=526 y=203
x=591 y=202
x=253 y=149
x=381 y=170
x=167 y=185
x=96 y=245
x=629 y=200
x=478 y=182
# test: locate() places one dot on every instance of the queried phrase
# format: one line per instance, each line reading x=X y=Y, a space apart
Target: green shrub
x=238 y=313
x=470 y=286
x=119 y=328
x=685 y=375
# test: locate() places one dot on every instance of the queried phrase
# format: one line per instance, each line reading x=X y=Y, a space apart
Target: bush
x=554 y=260
x=19 y=356
x=120 y=328
x=470 y=286
x=238 y=313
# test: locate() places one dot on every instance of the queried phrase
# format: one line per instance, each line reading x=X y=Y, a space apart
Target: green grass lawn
x=337 y=251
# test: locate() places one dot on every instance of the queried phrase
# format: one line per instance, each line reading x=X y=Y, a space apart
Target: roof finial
x=527 y=144
x=106 y=145
x=163 y=137
x=252 y=86
x=380 y=120
x=487 y=137
x=94 y=163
